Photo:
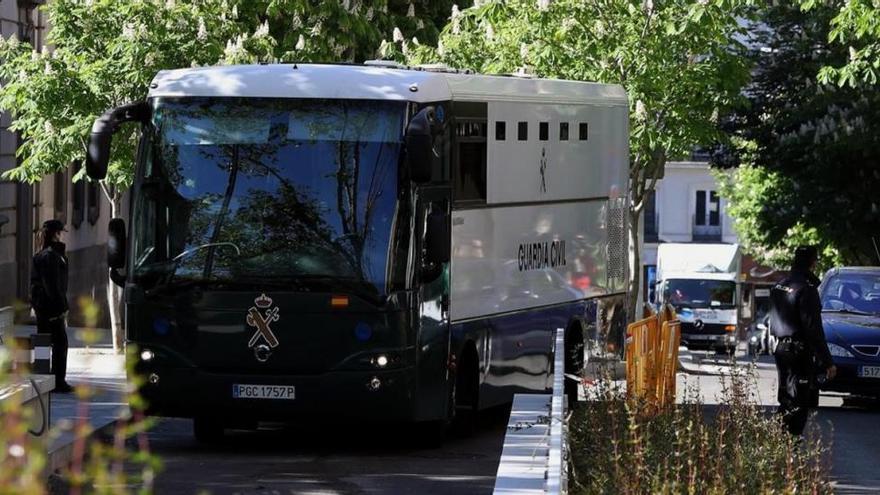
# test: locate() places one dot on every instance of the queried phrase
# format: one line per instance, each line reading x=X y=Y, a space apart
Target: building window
x=500 y=131
x=470 y=177
x=707 y=216
x=651 y=233
x=60 y=200
x=79 y=197
x=584 y=131
x=650 y=286
x=563 y=131
x=523 y=131
x=93 y=191
x=544 y=131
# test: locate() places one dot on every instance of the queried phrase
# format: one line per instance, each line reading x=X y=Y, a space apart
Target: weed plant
x=620 y=445
x=117 y=463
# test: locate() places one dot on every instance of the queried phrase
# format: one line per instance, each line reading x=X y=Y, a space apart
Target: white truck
x=701 y=282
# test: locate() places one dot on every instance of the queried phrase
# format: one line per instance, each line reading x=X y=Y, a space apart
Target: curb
x=62 y=455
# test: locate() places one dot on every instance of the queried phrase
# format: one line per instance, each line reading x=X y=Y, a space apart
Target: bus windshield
x=269 y=190
x=700 y=293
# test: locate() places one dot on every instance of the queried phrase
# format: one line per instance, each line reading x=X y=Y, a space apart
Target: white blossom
x=301 y=42
x=398 y=35
x=420 y=24
x=12 y=41
x=411 y=11
x=543 y=4
x=490 y=32
x=568 y=24
x=235 y=11
x=415 y=41
x=202 y=35
x=346 y=4
x=316 y=29
x=170 y=4
x=455 y=11
x=127 y=31
x=441 y=49
x=648 y=6
x=150 y=59
x=524 y=51
x=47 y=69
x=263 y=30
x=640 y=113
x=369 y=14
x=48 y=128
x=35 y=55
x=296 y=22
x=853 y=54
x=45 y=51
x=384 y=47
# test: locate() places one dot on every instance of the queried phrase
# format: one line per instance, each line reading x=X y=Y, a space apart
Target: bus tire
x=574 y=364
x=431 y=434
x=207 y=430
x=466 y=393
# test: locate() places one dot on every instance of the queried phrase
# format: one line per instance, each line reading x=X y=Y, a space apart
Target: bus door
x=433 y=249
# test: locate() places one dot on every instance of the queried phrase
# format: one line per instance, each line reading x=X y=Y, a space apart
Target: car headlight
x=839 y=351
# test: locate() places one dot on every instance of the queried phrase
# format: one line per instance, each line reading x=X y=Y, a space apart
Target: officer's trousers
x=797 y=391
x=58 y=331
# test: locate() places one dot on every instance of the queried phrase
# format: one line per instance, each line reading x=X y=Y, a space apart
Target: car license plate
x=243 y=391
x=869 y=372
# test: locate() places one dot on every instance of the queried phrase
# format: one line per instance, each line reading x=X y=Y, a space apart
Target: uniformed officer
x=796 y=321
x=49 y=297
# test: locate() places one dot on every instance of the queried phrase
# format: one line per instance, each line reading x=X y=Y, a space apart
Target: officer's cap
x=804 y=256
x=53 y=226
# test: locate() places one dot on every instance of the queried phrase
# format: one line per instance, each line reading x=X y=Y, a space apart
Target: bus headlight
x=381 y=360
x=147 y=355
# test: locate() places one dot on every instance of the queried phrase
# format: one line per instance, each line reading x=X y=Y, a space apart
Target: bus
x=365 y=241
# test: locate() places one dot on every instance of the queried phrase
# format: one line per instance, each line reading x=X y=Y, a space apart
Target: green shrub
x=618 y=446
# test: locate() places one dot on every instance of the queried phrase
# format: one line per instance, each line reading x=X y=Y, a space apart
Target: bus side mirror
x=116 y=243
x=437 y=238
x=98 y=155
x=419 y=143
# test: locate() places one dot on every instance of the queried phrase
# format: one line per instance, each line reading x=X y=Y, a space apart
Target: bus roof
x=364 y=82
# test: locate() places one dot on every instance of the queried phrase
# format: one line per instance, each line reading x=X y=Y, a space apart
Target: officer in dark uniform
x=796 y=321
x=49 y=297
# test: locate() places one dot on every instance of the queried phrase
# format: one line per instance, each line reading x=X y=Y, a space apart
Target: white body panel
x=573 y=168
x=497 y=268
x=698 y=261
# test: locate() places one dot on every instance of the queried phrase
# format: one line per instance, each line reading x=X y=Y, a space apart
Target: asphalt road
x=327 y=459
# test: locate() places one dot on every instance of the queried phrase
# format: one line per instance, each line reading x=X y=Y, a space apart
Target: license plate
x=869 y=372
x=282 y=392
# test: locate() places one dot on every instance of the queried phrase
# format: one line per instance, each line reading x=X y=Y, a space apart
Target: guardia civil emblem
x=261 y=316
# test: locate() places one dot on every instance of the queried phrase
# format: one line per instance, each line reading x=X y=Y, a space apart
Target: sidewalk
x=98 y=368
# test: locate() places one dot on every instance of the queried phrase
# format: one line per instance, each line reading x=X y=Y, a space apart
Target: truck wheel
x=207 y=430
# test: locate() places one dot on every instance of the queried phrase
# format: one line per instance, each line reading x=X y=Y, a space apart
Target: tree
x=105 y=53
x=809 y=153
x=855 y=26
x=680 y=62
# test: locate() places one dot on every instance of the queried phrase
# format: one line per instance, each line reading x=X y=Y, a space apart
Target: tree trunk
x=114 y=292
x=635 y=267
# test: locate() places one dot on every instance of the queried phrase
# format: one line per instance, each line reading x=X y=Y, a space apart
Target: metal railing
x=534 y=458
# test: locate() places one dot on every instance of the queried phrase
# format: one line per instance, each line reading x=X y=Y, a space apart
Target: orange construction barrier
x=652 y=357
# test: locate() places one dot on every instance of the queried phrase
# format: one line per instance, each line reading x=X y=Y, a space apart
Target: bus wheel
x=207 y=430
x=574 y=365
x=431 y=434
x=466 y=394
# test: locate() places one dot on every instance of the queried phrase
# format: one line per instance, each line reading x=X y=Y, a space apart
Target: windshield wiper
x=847 y=311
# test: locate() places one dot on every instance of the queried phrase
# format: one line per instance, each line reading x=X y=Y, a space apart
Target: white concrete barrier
x=534 y=457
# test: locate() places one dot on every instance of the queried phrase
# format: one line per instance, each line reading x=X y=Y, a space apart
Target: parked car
x=851 y=317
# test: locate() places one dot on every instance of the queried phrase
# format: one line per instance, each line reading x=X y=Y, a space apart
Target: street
x=305 y=459
x=352 y=459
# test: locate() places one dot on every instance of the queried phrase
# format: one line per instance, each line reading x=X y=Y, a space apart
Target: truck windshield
x=268 y=190
x=700 y=293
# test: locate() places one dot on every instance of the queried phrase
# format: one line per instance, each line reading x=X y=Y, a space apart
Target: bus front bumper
x=385 y=395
